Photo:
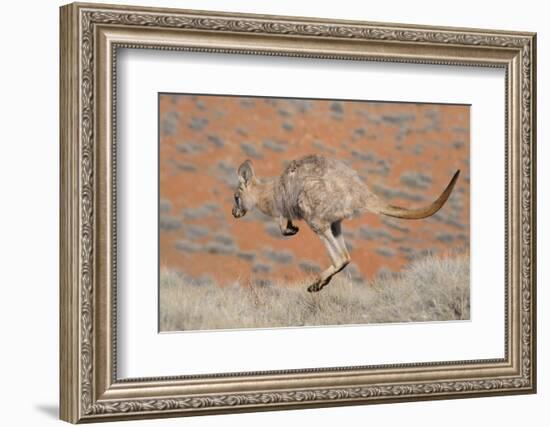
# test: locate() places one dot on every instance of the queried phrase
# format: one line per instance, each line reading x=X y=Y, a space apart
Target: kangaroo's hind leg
x=336 y=229
x=336 y=248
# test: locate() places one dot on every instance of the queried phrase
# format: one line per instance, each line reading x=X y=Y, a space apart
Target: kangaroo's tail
x=419 y=213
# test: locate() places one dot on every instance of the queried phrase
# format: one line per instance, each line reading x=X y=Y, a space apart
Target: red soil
x=400 y=138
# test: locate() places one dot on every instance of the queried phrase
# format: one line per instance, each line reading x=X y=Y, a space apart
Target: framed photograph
x=266 y=212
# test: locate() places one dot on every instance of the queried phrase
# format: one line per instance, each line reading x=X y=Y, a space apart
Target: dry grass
x=430 y=289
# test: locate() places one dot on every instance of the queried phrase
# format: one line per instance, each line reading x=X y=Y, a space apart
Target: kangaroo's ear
x=246 y=172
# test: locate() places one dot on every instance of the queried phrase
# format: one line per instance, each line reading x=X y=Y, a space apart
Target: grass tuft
x=429 y=289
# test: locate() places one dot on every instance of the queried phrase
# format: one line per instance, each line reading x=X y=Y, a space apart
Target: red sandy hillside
x=407 y=153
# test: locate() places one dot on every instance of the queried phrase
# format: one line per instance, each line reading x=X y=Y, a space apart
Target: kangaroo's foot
x=325 y=277
x=318 y=284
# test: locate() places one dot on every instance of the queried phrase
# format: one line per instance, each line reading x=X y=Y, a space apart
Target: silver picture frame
x=90 y=37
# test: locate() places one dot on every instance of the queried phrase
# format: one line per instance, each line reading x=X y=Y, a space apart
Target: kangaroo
x=322 y=192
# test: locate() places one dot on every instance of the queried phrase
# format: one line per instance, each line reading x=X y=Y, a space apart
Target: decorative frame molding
x=90 y=36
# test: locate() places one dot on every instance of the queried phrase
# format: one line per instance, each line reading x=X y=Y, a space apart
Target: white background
x=29 y=171
x=145 y=353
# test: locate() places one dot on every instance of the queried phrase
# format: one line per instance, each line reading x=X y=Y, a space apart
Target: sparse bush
x=370 y=233
x=190 y=147
x=288 y=126
x=273 y=145
x=186 y=167
x=247 y=103
x=247 y=255
x=226 y=172
x=280 y=257
x=187 y=246
x=206 y=210
x=169 y=223
x=395 y=193
x=261 y=268
x=215 y=140
x=385 y=251
x=397 y=119
x=429 y=289
x=165 y=206
x=193 y=231
x=198 y=123
x=217 y=248
x=309 y=266
x=169 y=124
x=416 y=179
x=250 y=150
x=337 y=107
x=322 y=147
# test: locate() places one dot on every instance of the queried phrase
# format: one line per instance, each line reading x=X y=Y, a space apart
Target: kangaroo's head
x=245 y=196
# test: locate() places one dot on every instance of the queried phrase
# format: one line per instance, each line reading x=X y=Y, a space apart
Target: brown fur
x=322 y=192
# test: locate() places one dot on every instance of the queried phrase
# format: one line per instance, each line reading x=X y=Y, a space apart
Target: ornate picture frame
x=91 y=35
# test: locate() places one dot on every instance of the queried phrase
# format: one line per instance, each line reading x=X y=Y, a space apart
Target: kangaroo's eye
x=237 y=198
